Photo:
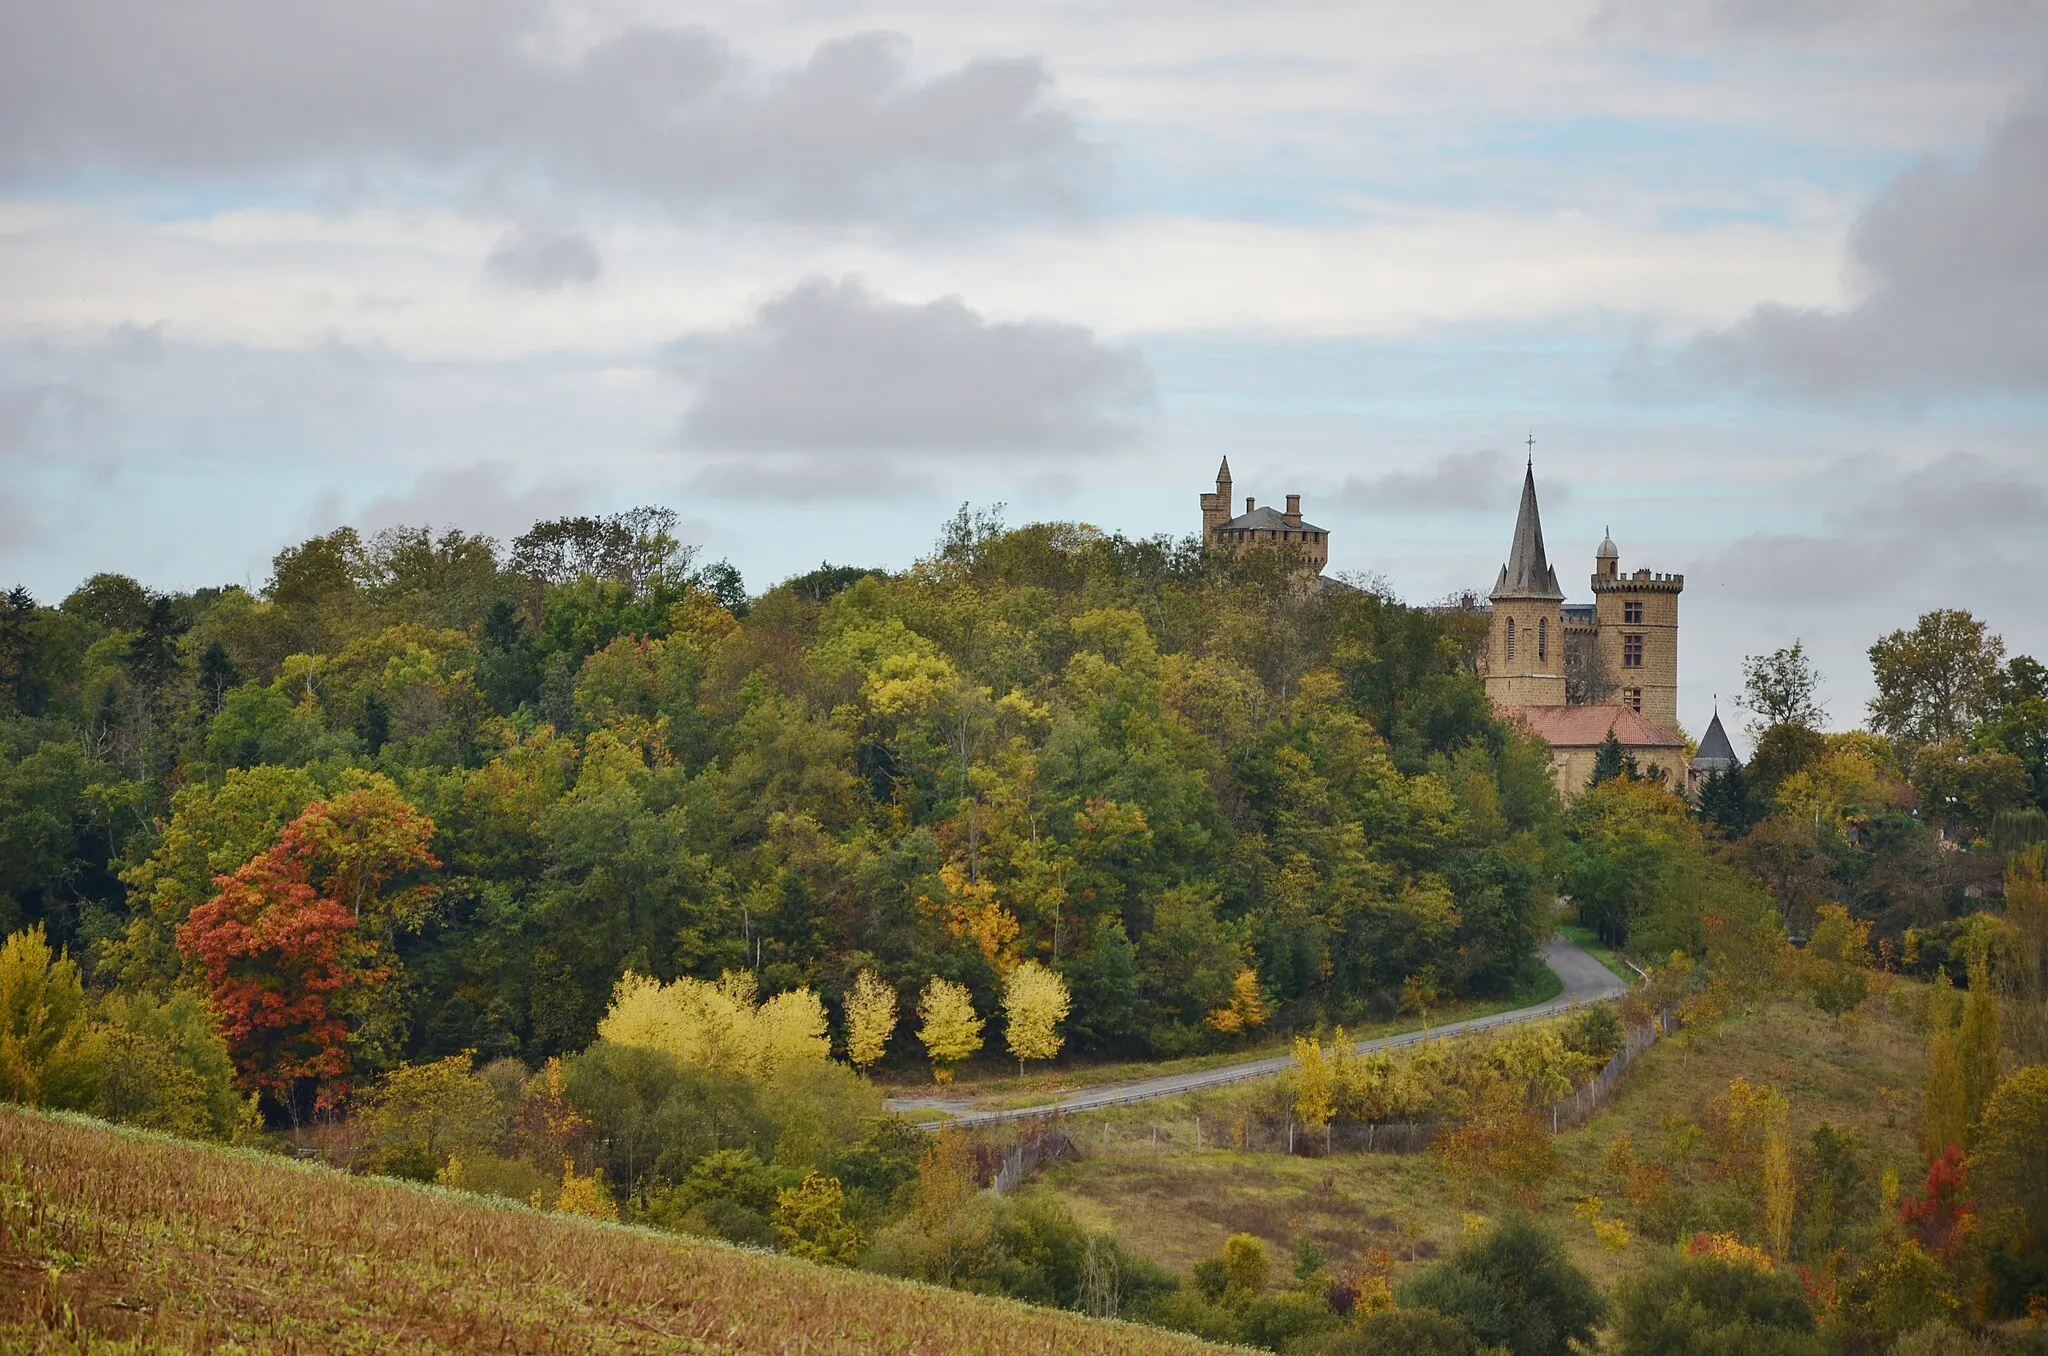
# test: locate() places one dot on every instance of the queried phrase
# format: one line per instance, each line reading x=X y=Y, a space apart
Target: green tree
x=1712 y=1306
x=417 y=1116
x=51 y=1054
x=812 y=1223
x=1780 y=688
x=1936 y=680
x=1514 y=1287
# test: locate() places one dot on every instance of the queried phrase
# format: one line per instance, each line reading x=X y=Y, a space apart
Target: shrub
x=1401 y=1332
x=1279 y=1322
x=1513 y=1287
x=1712 y=1305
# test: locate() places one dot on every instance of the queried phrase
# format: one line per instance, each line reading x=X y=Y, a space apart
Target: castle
x=1262 y=528
x=1571 y=672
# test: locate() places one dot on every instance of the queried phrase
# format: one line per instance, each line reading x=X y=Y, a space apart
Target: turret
x=1216 y=507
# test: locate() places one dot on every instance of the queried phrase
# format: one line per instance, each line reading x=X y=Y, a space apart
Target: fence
x=1195 y=1132
x=1026 y=1158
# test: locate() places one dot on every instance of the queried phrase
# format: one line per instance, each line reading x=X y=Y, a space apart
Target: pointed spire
x=1223 y=472
x=1528 y=573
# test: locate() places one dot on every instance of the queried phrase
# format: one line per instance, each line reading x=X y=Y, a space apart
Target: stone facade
x=1266 y=529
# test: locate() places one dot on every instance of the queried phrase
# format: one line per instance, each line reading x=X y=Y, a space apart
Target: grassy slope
x=1179 y=1205
x=110 y=1237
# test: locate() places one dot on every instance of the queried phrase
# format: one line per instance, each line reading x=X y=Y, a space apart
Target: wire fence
x=1195 y=1132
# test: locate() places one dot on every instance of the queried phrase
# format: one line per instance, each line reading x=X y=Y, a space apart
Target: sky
x=1765 y=280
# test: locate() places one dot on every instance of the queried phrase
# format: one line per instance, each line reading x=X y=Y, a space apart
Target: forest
x=573 y=872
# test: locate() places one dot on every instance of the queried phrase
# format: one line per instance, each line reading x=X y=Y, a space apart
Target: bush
x=1401 y=1332
x=1277 y=1322
x=1596 y=1032
x=169 y=1069
x=1709 y=1306
x=1514 y=1287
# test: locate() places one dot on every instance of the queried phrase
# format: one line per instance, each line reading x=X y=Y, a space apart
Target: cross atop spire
x=1532 y=449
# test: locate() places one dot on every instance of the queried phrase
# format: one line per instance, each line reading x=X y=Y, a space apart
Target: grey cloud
x=543 y=260
x=1957 y=260
x=1962 y=527
x=831 y=367
x=476 y=498
x=807 y=479
x=371 y=90
x=1688 y=23
x=1457 y=483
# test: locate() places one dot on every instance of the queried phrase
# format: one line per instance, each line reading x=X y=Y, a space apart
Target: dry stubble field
x=114 y=1240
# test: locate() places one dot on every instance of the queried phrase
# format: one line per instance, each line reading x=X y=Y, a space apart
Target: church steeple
x=1528 y=573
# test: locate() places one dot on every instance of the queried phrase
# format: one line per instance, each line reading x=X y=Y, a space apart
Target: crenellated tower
x=1525 y=638
x=1636 y=635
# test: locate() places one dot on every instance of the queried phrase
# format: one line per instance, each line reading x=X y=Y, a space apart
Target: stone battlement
x=1642 y=581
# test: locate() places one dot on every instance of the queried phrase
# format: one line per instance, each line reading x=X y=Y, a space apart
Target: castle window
x=1632 y=612
x=1511 y=637
x=1633 y=697
x=1542 y=638
x=1631 y=652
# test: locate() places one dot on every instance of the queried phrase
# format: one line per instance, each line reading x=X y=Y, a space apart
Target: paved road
x=1586 y=980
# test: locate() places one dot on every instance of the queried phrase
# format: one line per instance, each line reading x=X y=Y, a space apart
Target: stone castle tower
x=1575 y=673
x=1262 y=528
x=1525 y=639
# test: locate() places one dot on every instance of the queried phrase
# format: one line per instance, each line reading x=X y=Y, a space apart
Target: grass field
x=1178 y=1204
x=114 y=1240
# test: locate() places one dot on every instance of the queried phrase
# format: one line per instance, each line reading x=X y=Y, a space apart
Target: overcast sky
x=1766 y=279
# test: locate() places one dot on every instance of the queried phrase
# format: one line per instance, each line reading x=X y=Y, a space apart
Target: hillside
x=1176 y=1204
x=109 y=1234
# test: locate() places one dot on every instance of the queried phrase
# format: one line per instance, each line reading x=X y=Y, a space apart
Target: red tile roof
x=1584 y=727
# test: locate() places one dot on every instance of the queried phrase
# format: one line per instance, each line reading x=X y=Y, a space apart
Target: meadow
x=117 y=1240
x=1177 y=1204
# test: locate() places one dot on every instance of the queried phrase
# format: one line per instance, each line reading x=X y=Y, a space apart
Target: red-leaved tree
x=1939 y=1214
x=283 y=944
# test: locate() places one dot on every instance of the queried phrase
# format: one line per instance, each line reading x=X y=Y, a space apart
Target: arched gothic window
x=1511 y=637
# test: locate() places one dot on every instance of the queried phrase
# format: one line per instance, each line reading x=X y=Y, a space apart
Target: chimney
x=1250 y=503
x=1293 y=514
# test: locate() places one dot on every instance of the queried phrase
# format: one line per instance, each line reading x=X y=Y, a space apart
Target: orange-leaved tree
x=284 y=947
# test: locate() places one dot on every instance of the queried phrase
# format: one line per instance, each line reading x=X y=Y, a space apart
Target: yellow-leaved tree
x=718 y=1026
x=870 y=1019
x=1035 y=1002
x=951 y=1030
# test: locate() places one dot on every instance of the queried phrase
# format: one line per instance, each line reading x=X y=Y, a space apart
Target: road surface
x=1586 y=980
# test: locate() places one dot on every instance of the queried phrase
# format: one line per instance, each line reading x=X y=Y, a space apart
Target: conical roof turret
x=1716 y=753
x=1528 y=573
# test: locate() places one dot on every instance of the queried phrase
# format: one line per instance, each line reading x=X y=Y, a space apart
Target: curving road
x=1586 y=980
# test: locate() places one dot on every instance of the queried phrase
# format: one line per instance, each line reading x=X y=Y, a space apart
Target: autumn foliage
x=282 y=945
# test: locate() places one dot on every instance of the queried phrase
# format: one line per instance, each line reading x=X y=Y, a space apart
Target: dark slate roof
x=1716 y=753
x=1265 y=520
x=1579 y=612
x=1528 y=573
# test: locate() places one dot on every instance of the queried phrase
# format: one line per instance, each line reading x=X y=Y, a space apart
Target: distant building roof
x=1528 y=573
x=1265 y=520
x=1579 y=612
x=1585 y=727
x=1716 y=753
